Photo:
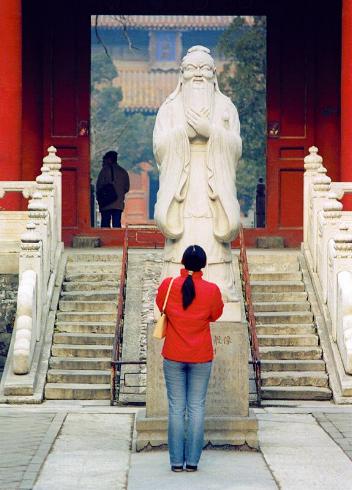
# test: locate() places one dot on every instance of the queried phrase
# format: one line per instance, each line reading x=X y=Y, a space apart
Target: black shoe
x=177 y=469
x=190 y=467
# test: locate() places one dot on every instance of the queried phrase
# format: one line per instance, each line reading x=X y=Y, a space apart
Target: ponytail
x=188 y=291
x=194 y=259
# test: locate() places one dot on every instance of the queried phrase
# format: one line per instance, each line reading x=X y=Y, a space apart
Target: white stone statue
x=197 y=146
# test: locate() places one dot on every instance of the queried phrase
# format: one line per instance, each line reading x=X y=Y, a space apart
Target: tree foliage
x=244 y=80
x=112 y=128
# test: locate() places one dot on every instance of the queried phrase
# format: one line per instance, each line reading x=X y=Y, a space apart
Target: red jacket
x=188 y=337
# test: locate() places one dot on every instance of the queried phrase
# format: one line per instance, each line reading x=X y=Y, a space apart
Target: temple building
x=45 y=92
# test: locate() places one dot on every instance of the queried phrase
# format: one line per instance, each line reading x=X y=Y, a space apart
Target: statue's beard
x=198 y=95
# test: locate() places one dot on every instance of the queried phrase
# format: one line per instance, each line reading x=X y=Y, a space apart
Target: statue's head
x=198 y=78
x=198 y=66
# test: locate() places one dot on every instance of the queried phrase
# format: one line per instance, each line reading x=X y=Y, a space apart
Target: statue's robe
x=197 y=201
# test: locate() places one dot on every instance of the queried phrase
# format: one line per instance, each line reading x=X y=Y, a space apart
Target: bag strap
x=112 y=174
x=167 y=295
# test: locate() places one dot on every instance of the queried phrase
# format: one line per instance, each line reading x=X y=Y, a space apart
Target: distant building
x=147 y=51
x=148 y=68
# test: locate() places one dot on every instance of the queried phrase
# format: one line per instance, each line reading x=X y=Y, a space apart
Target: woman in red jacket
x=188 y=353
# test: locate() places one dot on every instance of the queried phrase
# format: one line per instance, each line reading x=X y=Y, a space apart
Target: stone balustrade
x=328 y=249
x=40 y=250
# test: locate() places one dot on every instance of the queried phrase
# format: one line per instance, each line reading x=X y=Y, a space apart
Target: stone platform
x=228 y=421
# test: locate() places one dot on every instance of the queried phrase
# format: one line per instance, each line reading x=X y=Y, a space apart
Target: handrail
x=246 y=288
x=116 y=351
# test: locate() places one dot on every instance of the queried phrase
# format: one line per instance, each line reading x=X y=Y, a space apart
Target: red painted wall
x=303 y=96
x=11 y=95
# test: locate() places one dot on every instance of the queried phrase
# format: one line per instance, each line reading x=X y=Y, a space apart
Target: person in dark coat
x=112 y=172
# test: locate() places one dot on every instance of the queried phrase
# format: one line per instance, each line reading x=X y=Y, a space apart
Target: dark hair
x=111 y=155
x=194 y=259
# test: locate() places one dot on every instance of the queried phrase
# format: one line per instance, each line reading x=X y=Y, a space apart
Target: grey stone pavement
x=89 y=445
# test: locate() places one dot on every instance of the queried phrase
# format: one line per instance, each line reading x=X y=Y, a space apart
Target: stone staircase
x=292 y=363
x=79 y=367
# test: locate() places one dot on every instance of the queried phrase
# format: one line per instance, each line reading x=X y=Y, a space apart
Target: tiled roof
x=156 y=22
x=145 y=91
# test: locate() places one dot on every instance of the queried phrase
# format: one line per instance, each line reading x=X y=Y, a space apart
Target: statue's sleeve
x=224 y=152
x=171 y=151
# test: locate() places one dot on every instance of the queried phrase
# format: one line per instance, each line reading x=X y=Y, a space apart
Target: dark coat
x=118 y=176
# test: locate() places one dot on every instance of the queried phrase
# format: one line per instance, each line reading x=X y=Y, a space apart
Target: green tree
x=244 y=80
x=111 y=127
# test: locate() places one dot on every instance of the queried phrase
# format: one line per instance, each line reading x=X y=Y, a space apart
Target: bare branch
x=96 y=30
x=123 y=20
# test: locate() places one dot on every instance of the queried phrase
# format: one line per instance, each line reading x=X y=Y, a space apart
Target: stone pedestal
x=228 y=421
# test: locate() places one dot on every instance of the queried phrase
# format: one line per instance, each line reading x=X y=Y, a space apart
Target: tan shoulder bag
x=161 y=323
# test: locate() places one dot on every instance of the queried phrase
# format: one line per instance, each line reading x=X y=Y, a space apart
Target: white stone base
x=231 y=312
x=219 y=431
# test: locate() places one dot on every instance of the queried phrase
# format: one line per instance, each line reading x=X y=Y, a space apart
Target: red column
x=10 y=92
x=346 y=97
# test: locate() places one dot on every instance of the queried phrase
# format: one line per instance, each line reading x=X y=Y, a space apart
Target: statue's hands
x=199 y=122
x=190 y=131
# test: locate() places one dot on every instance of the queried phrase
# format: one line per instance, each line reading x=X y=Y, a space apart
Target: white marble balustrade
x=328 y=249
x=40 y=249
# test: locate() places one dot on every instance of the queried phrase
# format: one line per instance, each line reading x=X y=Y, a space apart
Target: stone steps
x=276 y=276
x=292 y=353
x=96 y=376
x=291 y=357
x=281 y=306
x=292 y=365
x=92 y=276
x=80 y=363
x=87 y=338
x=276 y=286
x=283 y=329
x=296 y=393
x=88 y=286
x=288 y=340
x=73 y=316
x=77 y=391
x=265 y=317
x=111 y=295
x=86 y=327
x=88 y=306
x=289 y=378
x=288 y=296
x=92 y=257
x=81 y=350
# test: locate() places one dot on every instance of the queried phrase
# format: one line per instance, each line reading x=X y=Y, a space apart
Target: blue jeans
x=186 y=385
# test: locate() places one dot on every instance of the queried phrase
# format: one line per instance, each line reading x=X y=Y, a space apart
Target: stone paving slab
x=91 y=452
x=339 y=428
x=301 y=454
x=225 y=470
x=26 y=439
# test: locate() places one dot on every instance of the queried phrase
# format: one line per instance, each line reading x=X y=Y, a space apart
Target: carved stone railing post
x=312 y=163
x=46 y=187
x=27 y=323
x=53 y=163
x=38 y=214
x=329 y=221
x=341 y=261
x=31 y=258
x=321 y=186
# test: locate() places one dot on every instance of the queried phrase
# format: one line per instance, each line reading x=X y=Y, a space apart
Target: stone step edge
x=88 y=323
x=294 y=374
x=79 y=386
x=276 y=283
x=296 y=388
x=81 y=372
x=288 y=336
x=85 y=335
x=83 y=346
x=267 y=348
